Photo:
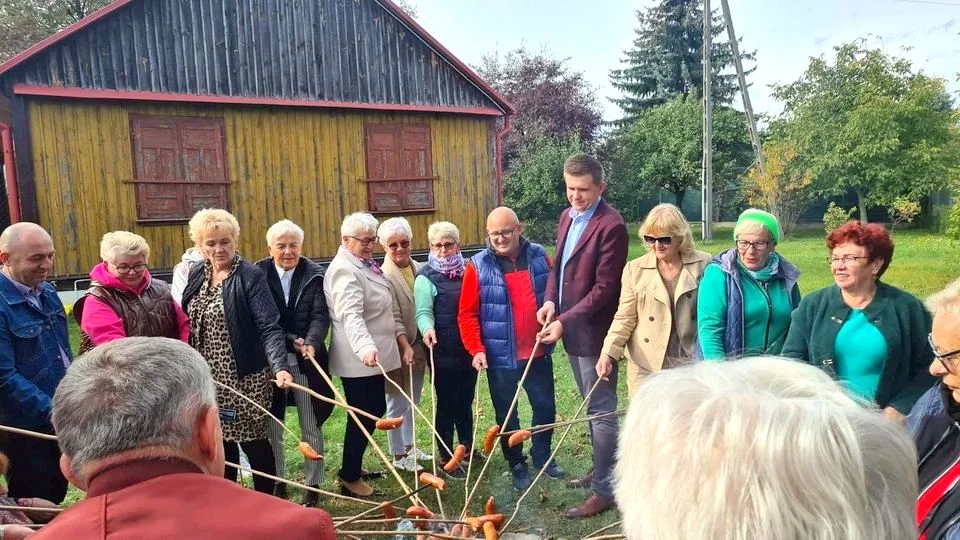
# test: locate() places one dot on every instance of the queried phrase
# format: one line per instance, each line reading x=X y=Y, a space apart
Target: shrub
x=835 y=217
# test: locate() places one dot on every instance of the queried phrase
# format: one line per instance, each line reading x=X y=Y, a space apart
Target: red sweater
x=523 y=303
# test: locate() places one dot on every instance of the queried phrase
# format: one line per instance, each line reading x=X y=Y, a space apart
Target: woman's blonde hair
x=761 y=448
x=213 y=219
x=443 y=229
x=667 y=219
x=116 y=244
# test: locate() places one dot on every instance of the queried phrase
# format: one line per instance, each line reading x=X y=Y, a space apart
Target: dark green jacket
x=899 y=316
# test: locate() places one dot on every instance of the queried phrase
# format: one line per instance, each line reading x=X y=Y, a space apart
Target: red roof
x=398 y=12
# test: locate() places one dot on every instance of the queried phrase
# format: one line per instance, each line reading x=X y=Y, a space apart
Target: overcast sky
x=594 y=33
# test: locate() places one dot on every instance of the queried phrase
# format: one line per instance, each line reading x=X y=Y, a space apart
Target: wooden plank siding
x=306 y=165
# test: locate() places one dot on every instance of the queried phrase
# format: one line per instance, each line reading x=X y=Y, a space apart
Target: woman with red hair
x=869 y=335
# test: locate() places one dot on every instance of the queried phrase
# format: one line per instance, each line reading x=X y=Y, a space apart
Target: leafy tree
x=903 y=210
x=782 y=188
x=551 y=100
x=665 y=60
x=867 y=123
x=25 y=22
x=663 y=149
x=835 y=216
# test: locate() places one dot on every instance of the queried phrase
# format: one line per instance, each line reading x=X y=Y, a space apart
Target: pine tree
x=666 y=59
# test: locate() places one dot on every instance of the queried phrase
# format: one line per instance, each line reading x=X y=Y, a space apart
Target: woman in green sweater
x=747 y=293
x=863 y=332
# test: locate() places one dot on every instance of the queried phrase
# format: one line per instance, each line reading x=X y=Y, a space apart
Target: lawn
x=923 y=263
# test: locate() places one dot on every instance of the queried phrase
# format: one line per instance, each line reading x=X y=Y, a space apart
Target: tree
x=663 y=149
x=867 y=123
x=666 y=59
x=551 y=100
x=902 y=210
x=782 y=188
x=25 y=22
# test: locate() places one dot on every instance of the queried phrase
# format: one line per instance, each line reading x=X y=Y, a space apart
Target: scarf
x=765 y=273
x=451 y=266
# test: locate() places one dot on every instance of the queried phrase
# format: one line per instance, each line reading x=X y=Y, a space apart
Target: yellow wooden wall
x=302 y=164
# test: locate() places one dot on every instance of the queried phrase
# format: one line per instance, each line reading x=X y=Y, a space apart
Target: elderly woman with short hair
x=364 y=335
x=747 y=293
x=401 y=270
x=869 y=335
x=235 y=327
x=124 y=300
x=437 y=292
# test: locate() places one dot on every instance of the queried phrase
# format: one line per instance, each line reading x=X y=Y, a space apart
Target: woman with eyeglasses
x=747 y=293
x=364 y=334
x=656 y=322
x=124 y=300
x=401 y=270
x=933 y=423
x=867 y=334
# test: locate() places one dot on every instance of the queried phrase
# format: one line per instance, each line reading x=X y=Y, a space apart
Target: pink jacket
x=102 y=323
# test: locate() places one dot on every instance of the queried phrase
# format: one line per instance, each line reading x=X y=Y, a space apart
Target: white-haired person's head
x=359 y=234
x=137 y=398
x=761 y=448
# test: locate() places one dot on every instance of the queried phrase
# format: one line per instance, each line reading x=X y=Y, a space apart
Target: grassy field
x=923 y=263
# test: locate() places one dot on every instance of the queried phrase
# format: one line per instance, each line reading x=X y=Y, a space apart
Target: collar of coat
x=649 y=259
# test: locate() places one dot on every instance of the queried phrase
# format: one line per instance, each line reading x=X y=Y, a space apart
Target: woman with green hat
x=747 y=293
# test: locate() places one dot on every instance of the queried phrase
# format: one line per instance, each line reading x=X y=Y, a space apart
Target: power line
x=929 y=2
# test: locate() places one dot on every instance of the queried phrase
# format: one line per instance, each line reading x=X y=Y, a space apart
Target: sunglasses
x=664 y=240
x=397 y=245
x=945 y=359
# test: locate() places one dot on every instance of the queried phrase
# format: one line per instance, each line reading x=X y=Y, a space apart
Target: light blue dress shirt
x=578 y=223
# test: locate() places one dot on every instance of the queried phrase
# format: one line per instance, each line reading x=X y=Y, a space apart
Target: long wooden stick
x=324 y=398
x=395 y=533
x=476 y=421
x=414 y=405
x=370 y=439
x=337 y=520
x=30 y=509
x=413 y=445
x=257 y=405
x=547 y=427
x=434 y=437
x=28 y=433
x=368 y=511
x=602 y=529
x=299 y=485
x=556 y=448
x=506 y=419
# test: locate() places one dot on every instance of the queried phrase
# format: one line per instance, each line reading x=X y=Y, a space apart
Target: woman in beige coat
x=656 y=322
x=364 y=334
x=401 y=270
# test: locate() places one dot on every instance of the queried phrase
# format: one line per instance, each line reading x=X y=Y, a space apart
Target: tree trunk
x=679 y=195
x=862 y=206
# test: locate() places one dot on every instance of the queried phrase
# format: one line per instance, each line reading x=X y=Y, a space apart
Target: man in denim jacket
x=34 y=355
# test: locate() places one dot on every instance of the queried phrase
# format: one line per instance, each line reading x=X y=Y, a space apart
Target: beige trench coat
x=405 y=317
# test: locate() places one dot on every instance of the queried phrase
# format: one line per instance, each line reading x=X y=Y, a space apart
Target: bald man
x=34 y=355
x=503 y=287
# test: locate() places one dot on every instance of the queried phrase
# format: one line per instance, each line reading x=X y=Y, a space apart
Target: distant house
x=148 y=110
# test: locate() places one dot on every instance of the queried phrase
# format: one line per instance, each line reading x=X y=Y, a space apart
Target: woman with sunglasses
x=124 y=300
x=934 y=420
x=655 y=326
x=747 y=293
x=869 y=335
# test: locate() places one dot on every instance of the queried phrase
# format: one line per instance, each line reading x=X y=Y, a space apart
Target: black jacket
x=253 y=321
x=306 y=314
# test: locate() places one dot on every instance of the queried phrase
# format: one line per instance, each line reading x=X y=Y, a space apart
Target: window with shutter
x=399 y=168
x=179 y=166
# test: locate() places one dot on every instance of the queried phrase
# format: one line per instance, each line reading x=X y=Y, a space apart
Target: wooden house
x=149 y=110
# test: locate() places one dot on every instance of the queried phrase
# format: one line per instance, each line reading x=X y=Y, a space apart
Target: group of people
x=733 y=439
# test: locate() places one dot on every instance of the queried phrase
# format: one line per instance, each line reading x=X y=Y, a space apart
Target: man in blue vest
x=34 y=355
x=503 y=288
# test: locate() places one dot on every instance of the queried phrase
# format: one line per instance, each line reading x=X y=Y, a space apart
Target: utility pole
x=741 y=76
x=707 y=179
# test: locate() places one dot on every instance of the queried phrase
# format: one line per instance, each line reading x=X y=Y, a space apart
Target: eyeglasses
x=124 y=269
x=759 y=245
x=943 y=358
x=847 y=260
x=403 y=244
x=444 y=245
x=365 y=241
x=664 y=240
x=506 y=234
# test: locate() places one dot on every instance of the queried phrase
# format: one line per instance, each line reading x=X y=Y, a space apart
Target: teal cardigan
x=899 y=316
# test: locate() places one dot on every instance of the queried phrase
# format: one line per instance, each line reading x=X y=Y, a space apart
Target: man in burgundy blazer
x=138 y=425
x=582 y=294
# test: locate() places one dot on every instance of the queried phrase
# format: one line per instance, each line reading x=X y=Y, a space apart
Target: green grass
x=923 y=264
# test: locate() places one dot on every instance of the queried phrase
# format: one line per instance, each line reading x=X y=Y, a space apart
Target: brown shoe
x=595 y=504
x=357 y=488
x=584 y=482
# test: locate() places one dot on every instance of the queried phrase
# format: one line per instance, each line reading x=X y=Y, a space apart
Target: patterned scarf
x=451 y=266
x=767 y=272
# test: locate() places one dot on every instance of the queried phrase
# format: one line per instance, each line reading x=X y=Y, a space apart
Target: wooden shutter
x=399 y=168
x=156 y=161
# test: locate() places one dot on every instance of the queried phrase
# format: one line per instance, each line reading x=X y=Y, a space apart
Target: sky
x=785 y=33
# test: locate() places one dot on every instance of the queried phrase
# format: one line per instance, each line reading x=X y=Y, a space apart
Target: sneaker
x=407 y=463
x=521 y=477
x=420 y=455
x=554 y=471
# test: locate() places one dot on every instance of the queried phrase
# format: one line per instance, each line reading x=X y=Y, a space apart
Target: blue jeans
x=539 y=388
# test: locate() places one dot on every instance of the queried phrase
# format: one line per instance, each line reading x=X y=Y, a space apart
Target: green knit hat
x=766 y=219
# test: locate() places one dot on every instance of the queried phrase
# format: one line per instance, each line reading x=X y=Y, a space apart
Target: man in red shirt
x=503 y=288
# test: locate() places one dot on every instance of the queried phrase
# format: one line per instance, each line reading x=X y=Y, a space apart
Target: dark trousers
x=260 y=454
x=455 y=390
x=34 y=467
x=365 y=393
x=539 y=389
